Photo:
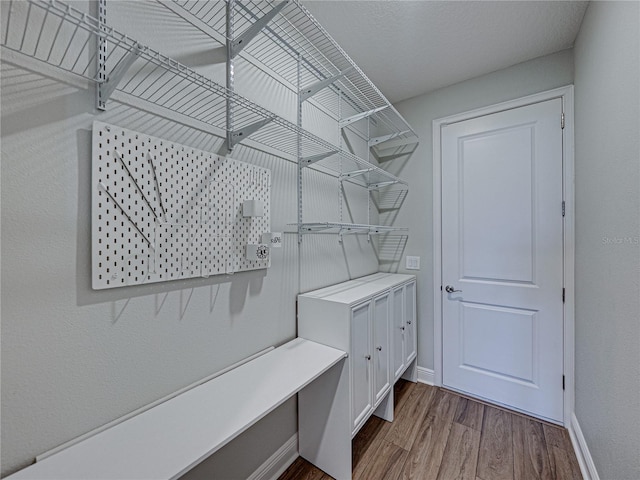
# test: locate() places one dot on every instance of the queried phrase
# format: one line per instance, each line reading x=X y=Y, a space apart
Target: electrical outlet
x=413 y=263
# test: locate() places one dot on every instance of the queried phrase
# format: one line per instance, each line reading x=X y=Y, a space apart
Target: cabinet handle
x=401 y=328
x=409 y=322
x=379 y=348
x=368 y=357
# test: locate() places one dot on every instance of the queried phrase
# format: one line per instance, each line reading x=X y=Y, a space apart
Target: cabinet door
x=381 y=344
x=361 y=391
x=398 y=328
x=410 y=339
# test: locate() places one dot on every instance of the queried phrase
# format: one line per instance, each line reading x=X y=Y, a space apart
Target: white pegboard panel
x=164 y=211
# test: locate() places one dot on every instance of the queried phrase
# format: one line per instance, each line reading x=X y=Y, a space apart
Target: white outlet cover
x=413 y=263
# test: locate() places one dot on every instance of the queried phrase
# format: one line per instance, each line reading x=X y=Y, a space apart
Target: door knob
x=450 y=289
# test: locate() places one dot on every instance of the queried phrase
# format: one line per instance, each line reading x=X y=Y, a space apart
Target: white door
x=410 y=322
x=502 y=253
x=382 y=381
x=361 y=391
x=397 y=336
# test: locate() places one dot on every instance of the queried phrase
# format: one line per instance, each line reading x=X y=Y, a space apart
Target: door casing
x=566 y=95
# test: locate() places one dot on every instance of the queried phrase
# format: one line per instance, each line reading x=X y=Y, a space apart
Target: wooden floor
x=442 y=436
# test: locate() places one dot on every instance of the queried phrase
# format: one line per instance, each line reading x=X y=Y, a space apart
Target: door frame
x=566 y=95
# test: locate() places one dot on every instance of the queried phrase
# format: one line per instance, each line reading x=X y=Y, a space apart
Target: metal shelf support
x=308 y=92
x=400 y=143
x=384 y=138
x=250 y=33
x=359 y=116
x=236 y=136
x=355 y=173
x=301 y=161
x=306 y=161
x=376 y=186
x=230 y=79
x=105 y=89
x=233 y=48
x=342 y=229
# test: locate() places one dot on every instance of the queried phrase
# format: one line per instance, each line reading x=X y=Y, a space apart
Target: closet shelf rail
x=61 y=36
x=292 y=36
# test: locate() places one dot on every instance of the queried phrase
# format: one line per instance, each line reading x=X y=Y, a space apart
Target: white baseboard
x=587 y=467
x=426 y=375
x=278 y=462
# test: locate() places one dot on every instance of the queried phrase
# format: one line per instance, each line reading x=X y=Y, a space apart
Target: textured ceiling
x=412 y=47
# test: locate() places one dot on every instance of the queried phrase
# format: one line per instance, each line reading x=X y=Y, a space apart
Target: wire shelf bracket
x=239 y=135
x=233 y=47
x=342 y=229
x=379 y=185
x=399 y=143
x=109 y=85
x=306 y=161
x=385 y=138
x=240 y=42
x=308 y=92
x=355 y=173
x=359 y=116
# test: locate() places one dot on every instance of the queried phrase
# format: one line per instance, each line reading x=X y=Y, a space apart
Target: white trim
x=587 y=467
x=569 y=254
x=426 y=375
x=277 y=463
x=566 y=94
x=437 y=251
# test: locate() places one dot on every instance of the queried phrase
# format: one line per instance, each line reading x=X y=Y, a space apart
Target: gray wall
x=607 y=105
x=74 y=359
x=534 y=76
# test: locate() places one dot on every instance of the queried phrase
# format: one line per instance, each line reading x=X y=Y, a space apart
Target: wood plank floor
x=439 y=435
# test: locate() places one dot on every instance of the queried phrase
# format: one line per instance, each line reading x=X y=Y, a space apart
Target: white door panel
x=410 y=321
x=361 y=402
x=382 y=381
x=398 y=332
x=502 y=247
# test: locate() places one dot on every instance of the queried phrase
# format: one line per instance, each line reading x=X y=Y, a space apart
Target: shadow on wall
x=389 y=250
x=74 y=103
x=394 y=159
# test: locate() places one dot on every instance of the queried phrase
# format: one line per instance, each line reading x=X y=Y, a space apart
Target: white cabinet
x=409 y=316
x=404 y=327
x=381 y=347
x=360 y=353
x=373 y=320
x=398 y=332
